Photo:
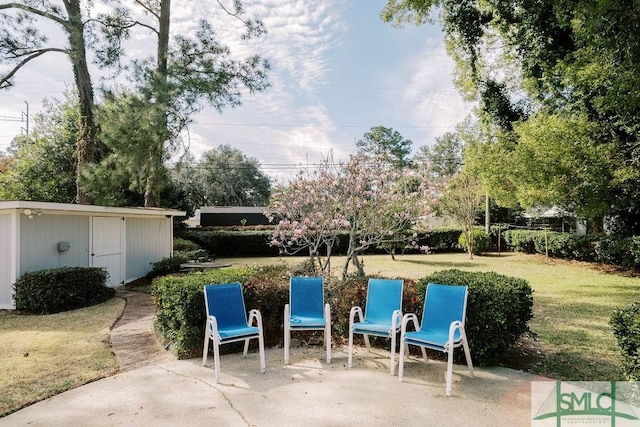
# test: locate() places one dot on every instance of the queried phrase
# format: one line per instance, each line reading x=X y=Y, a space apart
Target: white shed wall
x=39 y=237
x=147 y=240
x=7 y=261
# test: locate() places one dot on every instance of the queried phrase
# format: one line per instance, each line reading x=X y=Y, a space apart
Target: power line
x=318 y=125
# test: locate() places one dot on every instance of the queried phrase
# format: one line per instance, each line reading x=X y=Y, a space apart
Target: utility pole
x=25 y=115
x=487 y=211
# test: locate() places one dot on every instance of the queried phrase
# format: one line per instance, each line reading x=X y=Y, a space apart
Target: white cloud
x=336 y=72
x=436 y=104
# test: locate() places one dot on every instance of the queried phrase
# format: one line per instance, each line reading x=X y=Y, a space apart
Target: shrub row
x=624 y=252
x=233 y=243
x=625 y=323
x=61 y=289
x=498 y=310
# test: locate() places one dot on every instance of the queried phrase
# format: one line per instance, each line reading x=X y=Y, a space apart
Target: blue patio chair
x=306 y=311
x=227 y=322
x=382 y=316
x=442 y=327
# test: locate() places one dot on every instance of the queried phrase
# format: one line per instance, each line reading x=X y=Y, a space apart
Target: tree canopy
x=387 y=143
x=552 y=62
x=229 y=178
x=187 y=72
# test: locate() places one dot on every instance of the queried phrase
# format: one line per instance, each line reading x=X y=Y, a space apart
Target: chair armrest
x=213 y=323
x=352 y=314
x=396 y=320
x=255 y=314
x=287 y=314
x=409 y=317
x=327 y=313
x=456 y=324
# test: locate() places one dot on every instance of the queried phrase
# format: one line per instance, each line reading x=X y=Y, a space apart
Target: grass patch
x=571 y=337
x=44 y=355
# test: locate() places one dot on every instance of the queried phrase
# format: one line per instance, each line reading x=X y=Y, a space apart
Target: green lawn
x=45 y=355
x=573 y=303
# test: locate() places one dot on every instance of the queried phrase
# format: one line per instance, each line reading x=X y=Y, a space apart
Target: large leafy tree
x=229 y=178
x=461 y=200
x=23 y=39
x=444 y=158
x=187 y=72
x=559 y=161
x=41 y=165
x=552 y=58
x=387 y=143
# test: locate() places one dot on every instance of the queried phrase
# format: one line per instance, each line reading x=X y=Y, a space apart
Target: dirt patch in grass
x=527 y=355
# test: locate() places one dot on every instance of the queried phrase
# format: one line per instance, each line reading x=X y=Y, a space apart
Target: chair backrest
x=444 y=304
x=306 y=296
x=384 y=296
x=226 y=303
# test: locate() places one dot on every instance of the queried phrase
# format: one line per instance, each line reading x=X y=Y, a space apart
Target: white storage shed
x=39 y=235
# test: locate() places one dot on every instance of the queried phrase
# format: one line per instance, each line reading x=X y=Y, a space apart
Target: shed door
x=107 y=237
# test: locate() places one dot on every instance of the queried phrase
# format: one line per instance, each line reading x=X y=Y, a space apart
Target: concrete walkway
x=155 y=389
x=133 y=340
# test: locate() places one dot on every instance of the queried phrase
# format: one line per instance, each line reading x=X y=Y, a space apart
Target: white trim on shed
x=41 y=235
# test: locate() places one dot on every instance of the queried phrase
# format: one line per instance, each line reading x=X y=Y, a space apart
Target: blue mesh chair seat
x=382 y=316
x=306 y=311
x=442 y=327
x=227 y=322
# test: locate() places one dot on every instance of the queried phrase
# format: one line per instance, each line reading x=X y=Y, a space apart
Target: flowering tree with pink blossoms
x=366 y=197
x=307 y=214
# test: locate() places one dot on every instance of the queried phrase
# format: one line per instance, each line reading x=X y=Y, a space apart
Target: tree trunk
x=86 y=144
x=596 y=225
x=470 y=242
x=154 y=162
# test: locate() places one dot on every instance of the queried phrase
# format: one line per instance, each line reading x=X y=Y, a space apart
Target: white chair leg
x=367 y=343
x=392 y=358
x=401 y=362
x=449 y=371
x=424 y=354
x=263 y=364
x=246 y=348
x=327 y=331
x=350 y=357
x=216 y=358
x=467 y=353
x=287 y=334
x=205 y=350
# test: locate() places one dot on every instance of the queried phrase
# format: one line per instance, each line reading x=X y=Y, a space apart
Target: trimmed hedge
x=223 y=243
x=624 y=252
x=180 y=311
x=498 y=310
x=255 y=243
x=625 y=323
x=61 y=289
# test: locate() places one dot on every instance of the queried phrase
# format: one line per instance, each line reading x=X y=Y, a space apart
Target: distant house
x=37 y=235
x=555 y=218
x=219 y=216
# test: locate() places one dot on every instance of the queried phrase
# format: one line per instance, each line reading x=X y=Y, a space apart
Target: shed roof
x=93 y=209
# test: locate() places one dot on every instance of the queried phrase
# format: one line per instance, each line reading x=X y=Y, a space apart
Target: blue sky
x=337 y=71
